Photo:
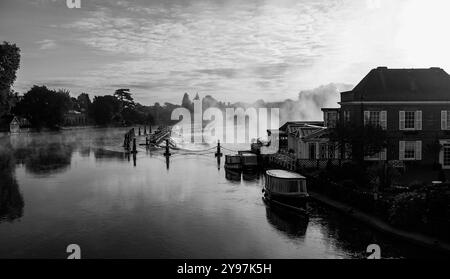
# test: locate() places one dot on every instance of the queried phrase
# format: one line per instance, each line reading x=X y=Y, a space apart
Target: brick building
x=412 y=105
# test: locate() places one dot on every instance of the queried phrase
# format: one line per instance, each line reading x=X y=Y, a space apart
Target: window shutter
x=383 y=119
x=383 y=154
x=444 y=125
x=366 y=117
x=418 y=155
x=418 y=125
x=402 y=120
x=402 y=151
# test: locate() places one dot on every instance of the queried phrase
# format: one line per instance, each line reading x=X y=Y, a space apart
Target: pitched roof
x=385 y=84
x=301 y=124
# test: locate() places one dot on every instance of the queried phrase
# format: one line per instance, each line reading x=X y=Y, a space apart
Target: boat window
x=302 y=186
x=292 y=186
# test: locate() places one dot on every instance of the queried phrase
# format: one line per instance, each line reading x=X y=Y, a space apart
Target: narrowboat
x=285 y=188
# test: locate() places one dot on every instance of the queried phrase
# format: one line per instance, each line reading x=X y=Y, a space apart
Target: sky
x=232 y=50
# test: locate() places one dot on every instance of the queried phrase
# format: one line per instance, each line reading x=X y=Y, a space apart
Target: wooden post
x=218 y=153
x=145 y=130
x=139 y=131
x=167 y=153
x=134 y=146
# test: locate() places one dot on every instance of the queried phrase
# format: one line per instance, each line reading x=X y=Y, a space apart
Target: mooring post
x=134 y=146
x=167 y=153
x=218 y=153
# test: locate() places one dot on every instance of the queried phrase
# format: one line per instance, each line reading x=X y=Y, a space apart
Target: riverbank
x=381 y=225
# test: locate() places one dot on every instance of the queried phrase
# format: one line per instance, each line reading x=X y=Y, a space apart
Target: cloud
x=252 y=47
x=46 y=44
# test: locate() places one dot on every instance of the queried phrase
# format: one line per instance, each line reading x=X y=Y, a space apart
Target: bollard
x=167 y=153
x=134 y=146
x=218 y=153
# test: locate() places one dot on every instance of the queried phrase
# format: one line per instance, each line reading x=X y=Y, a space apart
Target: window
x=445 y=120
x=446 y=162
x=323 y=151
x=410 y=150
x=331 y=118
x=331 y=151
x=312 y=150
x=376 y=118
x=372 y=155
x=347 y=116
x=410 y=119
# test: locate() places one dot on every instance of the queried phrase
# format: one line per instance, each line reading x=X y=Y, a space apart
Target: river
x=77 y=186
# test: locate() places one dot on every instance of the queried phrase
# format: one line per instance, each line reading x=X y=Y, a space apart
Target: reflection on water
x=233 y=175
x=80 y=187
x=293 y=224
x=11 y=200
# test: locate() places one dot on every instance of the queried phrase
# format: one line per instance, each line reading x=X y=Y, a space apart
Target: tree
x=104 y=109
x=358 y=141
x=125 y=99
x=44 y=107
x=186 y=102
x=84 y=102
x=9 y=64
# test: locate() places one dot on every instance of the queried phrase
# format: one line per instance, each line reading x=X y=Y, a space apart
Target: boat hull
x=296 y=200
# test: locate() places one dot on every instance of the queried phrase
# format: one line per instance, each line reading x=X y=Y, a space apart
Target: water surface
x=78 y=186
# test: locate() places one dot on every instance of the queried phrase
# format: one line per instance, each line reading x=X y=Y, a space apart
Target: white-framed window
x=444 y=154
x=410 y=150
x=380 y=156
x=410 y=120
x=445 y=120
x=376 y=118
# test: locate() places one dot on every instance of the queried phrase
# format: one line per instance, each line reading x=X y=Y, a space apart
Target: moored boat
x=285 y=187
x=249 y=161
x=233 y=162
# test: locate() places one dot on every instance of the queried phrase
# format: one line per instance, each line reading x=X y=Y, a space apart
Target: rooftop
x=284 y=174
x=382 y=83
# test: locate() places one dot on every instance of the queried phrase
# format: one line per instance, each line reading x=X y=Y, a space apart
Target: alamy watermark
x=231 y=125
x=71 y=4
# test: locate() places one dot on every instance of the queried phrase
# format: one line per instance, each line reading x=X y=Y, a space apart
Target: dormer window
x=330 y=118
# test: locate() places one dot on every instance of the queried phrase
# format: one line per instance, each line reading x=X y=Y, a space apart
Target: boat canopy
x=283 y=174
